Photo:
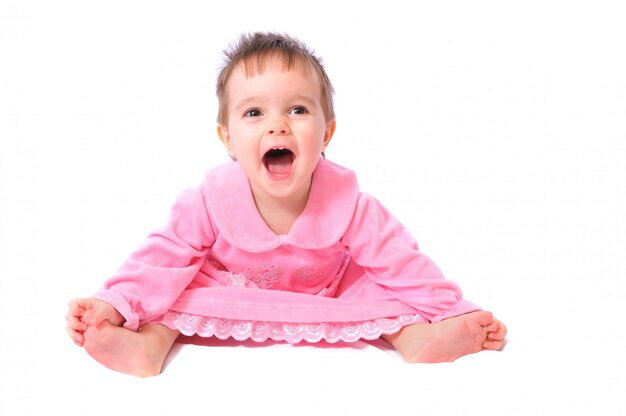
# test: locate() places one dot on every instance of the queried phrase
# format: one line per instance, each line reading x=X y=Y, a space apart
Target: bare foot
x=449 y=339
x=140 y=354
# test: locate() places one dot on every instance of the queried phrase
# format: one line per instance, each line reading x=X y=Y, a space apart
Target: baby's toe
x=492 y=345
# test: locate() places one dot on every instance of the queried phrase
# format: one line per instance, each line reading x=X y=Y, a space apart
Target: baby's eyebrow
x=308 y=100
x=247 y=101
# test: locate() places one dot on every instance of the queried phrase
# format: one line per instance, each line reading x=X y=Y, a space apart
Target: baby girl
x=278 y=243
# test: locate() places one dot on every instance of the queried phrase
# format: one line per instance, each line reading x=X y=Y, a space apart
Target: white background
x=494 y=131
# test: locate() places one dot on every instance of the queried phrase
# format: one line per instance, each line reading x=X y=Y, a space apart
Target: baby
x=278 y=243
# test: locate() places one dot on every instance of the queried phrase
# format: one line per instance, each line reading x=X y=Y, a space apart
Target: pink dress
x=346 y=270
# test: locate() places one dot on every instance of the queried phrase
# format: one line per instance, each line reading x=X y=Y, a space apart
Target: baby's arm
x=155 y=275
x=391 y=258
x=84 y=313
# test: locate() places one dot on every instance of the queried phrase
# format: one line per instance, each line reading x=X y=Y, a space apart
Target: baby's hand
x=84 y=313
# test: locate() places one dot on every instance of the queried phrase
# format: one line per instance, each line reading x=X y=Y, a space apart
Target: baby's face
x=276 y=128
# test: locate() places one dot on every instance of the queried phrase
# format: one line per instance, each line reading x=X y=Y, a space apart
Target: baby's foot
x=449 y=339
x=137 y=353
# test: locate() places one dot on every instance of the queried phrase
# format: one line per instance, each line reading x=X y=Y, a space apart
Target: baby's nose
x=277 y=127
x=278 y=130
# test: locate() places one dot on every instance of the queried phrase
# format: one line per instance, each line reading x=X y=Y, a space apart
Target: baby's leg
x=449 y=339
x=139 y=353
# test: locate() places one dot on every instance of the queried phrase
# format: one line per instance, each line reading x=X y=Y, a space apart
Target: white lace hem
x=260 y=331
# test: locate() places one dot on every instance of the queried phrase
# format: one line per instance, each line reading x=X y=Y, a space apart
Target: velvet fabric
x=346 y=259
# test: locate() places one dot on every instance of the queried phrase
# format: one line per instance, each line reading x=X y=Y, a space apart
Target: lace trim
x=260 y=331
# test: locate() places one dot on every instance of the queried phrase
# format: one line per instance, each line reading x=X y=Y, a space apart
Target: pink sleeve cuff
x=120 y=303
x=460 y=308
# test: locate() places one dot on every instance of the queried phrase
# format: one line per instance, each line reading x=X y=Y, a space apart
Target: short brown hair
x=253 y=50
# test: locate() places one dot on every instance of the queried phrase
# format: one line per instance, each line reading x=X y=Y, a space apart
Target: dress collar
x=329 y=210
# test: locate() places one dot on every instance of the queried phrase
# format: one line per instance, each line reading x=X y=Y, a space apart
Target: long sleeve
x=155 y=275
x=391 y=258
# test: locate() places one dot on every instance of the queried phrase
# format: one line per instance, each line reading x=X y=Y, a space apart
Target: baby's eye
x=253 y=113
x=299 y=110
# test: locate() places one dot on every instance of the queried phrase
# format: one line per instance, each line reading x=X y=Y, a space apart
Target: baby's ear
x=330 y=130
x=222 y=132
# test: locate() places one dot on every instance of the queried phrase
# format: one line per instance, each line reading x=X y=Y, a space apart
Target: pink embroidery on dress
x=308 y=274
x=222 y=275
x=229 y=279
x=264 y=276
x=236 y=280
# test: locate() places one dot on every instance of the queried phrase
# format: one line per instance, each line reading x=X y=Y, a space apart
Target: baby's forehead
x=274 y=61
x=258 y=64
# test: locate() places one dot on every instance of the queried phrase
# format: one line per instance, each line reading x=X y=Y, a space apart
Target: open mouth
x=278 y=162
